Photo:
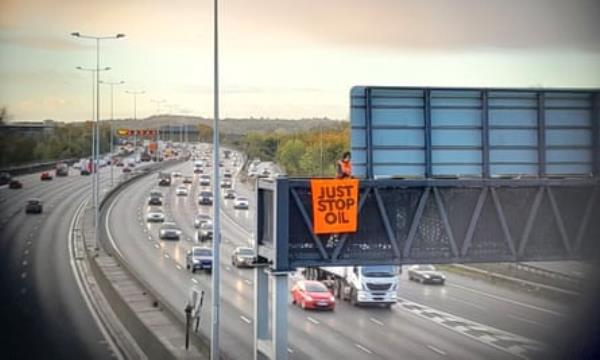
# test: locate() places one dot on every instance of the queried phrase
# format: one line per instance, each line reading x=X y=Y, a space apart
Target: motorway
x=43 y=312
x=466 y=319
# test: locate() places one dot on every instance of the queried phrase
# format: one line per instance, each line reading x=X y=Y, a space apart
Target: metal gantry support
x=274 y=345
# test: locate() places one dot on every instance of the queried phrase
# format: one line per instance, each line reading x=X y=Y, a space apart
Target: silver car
x=155 y=215
x=242 y=257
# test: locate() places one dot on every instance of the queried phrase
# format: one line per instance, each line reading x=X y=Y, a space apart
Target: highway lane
x=317 y=334
x=43 y=310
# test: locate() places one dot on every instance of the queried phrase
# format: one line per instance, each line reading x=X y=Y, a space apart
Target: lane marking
x=248 y=281
x=467 y=303
x=521 y=318
x=194 y=281
x=25 y=262
x=166 y=256
x=376 y=321
x=178 y=267
x=290 y=350
x=245 y=319
x=314 y=321
x=363 y=348
x=436 y=350
x=26 y=252
x=23 y=275
x=556 y=313
x=156 y=246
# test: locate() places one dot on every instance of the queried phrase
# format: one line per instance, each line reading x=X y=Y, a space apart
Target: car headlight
x=426 y=276
x=332 y=298
x=196 y=261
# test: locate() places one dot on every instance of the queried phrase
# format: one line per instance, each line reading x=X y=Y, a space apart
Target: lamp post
x=112 y=118
x=135 y=94
x=95 y=147
x=216 y=245
x=96 y=177
x=157 y=102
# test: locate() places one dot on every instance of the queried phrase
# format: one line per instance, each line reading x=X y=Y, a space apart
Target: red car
x=45 y=176
x=310 y=294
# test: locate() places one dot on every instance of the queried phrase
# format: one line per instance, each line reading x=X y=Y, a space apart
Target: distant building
x=30 y=128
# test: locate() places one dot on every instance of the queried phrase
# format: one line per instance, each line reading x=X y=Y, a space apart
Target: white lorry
x=361 y=285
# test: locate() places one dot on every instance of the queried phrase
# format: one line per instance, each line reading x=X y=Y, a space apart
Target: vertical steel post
x=596 y=133
x=96 y=173
x=485 y=135
x=427 y=120
x=279 y=320
x=216 y=285
x=541 y=135
x=261 y=310
x=369 y=133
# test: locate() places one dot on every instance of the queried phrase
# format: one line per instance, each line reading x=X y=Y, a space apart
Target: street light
x=135 y=94
x=96 y=153
x=157 y=102
x=112 y=118
x=216 y=245
x=95 y=141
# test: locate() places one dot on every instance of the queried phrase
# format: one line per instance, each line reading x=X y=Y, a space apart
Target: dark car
x=229 y=194
x=84 y=172
x=34 y=206
x=156 y=198
x=188 y=180
x=198 y=170
x=205 y=198
x=426 y=274
x=45 y=176
x=164 y=179
x=15 y=184
x=205 y=232
x=4 y=178
x=199 y=258
x=126 y=170
x=242 y=257
x=170 y=231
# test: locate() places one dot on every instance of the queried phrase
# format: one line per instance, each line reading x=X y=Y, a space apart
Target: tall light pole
x=135 y=94
x=157 y=102
x=112 y=84
x=93 y=130
x=95 y=147
x=216 y=245
x=96 y=173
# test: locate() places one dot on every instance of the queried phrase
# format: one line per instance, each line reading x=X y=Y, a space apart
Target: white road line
x=509 y=300
x=194 y=281
x=521 y=318
x=290 y=350
x=248 y=281
x=156 y=246
x=25 y=262
x=28 y=243
x=166 y=256
x=376 y=321
x=26 y=252
x=227 y=268
x=363 y=348
x=314 y=321
x=178 y=267
x=436 y=350
x=467 y=303
x=23 y=275
x=245 y=319
x=150 y=237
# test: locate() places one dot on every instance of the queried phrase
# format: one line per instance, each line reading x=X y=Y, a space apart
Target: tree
x=289 y=155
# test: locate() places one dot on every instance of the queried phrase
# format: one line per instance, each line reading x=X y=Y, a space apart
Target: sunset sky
x=284 y=58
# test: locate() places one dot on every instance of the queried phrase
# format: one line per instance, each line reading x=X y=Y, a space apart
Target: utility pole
x=112 y=119
x=135 y=94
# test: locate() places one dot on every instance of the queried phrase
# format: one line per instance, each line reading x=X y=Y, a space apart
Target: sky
x=283 y=58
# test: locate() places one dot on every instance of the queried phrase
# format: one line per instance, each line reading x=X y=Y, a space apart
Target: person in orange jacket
x=344 y=167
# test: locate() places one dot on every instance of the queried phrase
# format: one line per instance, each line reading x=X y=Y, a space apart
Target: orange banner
x=335 y=205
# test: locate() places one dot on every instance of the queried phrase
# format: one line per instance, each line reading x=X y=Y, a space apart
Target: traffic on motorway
x=170 y=248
